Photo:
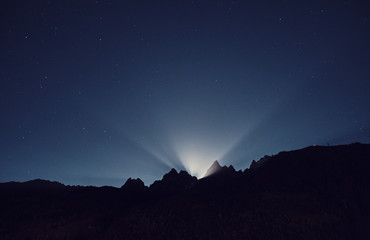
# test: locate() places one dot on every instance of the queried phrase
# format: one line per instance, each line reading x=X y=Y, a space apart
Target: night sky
x=95 y=92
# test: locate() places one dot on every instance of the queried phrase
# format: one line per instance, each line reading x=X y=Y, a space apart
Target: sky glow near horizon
x=95 y=92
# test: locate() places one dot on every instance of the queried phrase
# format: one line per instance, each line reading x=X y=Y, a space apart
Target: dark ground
x=312 y=193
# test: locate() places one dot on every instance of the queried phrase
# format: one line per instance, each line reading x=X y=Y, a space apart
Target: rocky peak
x=174 y=180
x=170 y=175
x=133 y=184
x=256 y=164
x=215 y=167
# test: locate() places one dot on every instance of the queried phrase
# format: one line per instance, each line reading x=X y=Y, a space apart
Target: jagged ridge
x=312 y=193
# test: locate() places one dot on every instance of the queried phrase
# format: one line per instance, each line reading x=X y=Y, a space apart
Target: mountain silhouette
x=133 y=184
x=319 y=192
x=213 y=169
x=216 y=170
x=257 y=164
x=173 y=182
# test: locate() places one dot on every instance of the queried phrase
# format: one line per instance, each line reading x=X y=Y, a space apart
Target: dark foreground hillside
x=312 y=193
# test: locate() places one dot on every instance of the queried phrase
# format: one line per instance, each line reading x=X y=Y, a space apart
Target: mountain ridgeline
x=313 y=193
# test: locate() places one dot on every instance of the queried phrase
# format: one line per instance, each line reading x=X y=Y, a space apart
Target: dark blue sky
x=94 y=92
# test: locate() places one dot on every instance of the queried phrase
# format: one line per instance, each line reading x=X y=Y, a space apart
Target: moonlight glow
x=96 y=92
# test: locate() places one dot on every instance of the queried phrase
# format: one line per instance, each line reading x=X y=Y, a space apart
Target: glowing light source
x=197 y=158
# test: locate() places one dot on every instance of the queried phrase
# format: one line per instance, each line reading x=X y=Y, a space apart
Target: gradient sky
x=94 y=92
